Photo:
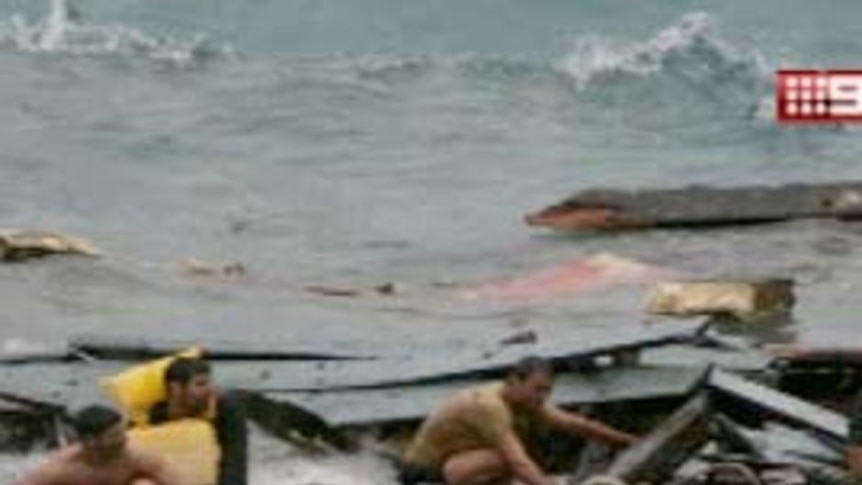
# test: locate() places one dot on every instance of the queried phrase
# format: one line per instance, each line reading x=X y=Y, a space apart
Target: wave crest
x=688 y=47
x=60 y=32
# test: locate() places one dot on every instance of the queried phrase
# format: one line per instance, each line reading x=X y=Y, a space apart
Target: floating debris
x=741 y=300
x=17 y=246
x=701 y=206
x=196 y=268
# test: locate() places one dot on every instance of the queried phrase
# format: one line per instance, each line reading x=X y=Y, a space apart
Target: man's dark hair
x=94 y=420
x=184 y=369
x=528 y=366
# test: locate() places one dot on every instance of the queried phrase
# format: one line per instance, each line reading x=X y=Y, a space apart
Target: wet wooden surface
x=698 y=206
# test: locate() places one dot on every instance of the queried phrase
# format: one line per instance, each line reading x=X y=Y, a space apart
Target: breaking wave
x=685 y=63
x=684 y=70
x=60 y=32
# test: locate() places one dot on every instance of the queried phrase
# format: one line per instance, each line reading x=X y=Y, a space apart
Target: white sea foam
x=59 y=32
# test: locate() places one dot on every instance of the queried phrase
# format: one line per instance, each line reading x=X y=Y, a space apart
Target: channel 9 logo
x=826 y=96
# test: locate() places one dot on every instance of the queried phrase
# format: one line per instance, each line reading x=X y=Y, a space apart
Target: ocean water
x=354 y=143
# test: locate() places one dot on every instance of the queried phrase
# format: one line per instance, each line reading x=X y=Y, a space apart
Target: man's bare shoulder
x=143 y=460
x=60 y=467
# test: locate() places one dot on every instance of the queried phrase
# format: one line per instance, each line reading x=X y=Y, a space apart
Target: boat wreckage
x=701 y=206
x=17 y=246
x=709 y=412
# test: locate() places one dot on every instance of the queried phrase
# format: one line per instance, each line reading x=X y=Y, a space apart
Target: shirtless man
x=101 y=457
x=474 y=438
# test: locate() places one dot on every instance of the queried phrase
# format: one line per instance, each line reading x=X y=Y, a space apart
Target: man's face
x=195 y=395
x=532 y=392
x=110 y=444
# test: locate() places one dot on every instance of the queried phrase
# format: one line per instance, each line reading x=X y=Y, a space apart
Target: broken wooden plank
x=654 y=458
x=67 y=382
x=292 y=423
x=747 y=361
x=733 y=439
x=365 y=407
x=47 y=356
x=429 y=365
x=780 y=404
x=740 y=299
x=835 y=355
x=55 y=384
x=142 y=348
x=16 y=246
x=701 y=206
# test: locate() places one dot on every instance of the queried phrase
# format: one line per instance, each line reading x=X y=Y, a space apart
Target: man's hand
x=579 y=425
x=520 y=464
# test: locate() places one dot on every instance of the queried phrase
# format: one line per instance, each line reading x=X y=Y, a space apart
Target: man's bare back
x=102 y=457
x=71 y=466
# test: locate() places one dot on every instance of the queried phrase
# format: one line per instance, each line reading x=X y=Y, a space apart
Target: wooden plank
x=55 y=384
x=292 y=423
x=700 y=206
x=744 y=361
x=17 y=245
x=654 y=458
x=789 y=407
x=733 y=438
x=142 y=348
x=60 y=382
x=835 y=355
x=741 y=299
x=433 y=364
x=363 y=407
x=37 y=357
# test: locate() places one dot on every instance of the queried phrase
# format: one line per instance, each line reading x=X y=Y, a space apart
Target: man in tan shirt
x=473 y=437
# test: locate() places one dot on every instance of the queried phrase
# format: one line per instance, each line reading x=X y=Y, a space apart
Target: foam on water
x=60 y=32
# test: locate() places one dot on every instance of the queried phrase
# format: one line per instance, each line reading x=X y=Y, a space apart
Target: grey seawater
x=356 y=143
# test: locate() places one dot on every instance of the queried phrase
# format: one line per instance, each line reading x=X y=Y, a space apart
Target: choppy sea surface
x=355 y=143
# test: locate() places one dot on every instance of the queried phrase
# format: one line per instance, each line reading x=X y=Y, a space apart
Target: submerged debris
x=196 y=268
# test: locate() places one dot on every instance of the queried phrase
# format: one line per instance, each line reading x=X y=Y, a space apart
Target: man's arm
x=520 y=464
x=232 y=432
x=579 y=425
x=49 y=473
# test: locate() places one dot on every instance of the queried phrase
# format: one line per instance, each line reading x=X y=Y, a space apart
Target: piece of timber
x=57 y=385
x=21 y=245
x=131 y=348
x=744 y=300
x=433 y=364
x=368 y=407
x=745 y=361
x=701 y=206
x=790 y=354
x=76 y=382
x=733 y=439
x=654 y=458
x=38 y=356
x=784 y=405
x=292 y=423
